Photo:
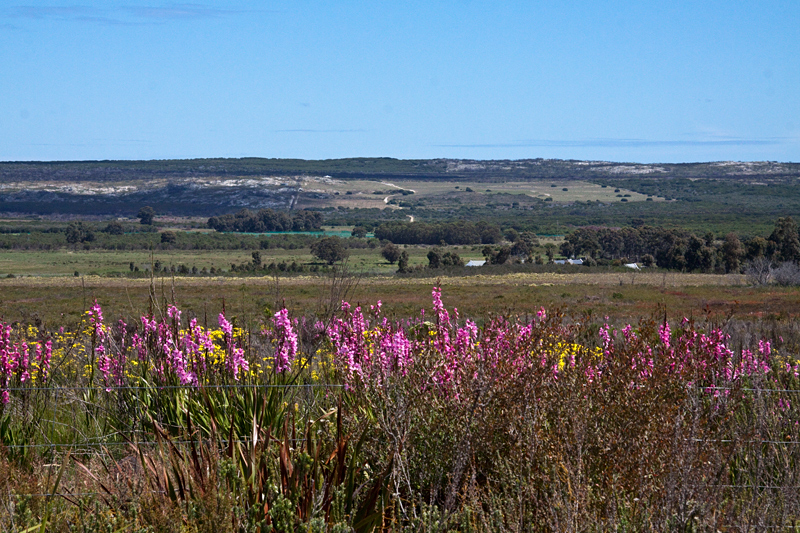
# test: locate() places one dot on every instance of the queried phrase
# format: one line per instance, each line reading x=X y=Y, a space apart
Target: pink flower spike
x=226 y=326
x=174 y=313
x=664 y=333
x=287 y=341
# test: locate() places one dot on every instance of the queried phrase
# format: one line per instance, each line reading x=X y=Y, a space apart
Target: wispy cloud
x=57 y=144
x=120 y=141
x=126 y=15
x=622 y=143
x=179 y=12
x=50 y=12
x=66 y=14
x=319 y=131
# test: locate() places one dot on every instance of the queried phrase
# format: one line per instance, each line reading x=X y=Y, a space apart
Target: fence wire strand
x=95 y=445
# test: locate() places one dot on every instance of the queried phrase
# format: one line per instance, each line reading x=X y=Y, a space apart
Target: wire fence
x=752 y=389
x=65 y=395
x=202 y=386
x=102 y=445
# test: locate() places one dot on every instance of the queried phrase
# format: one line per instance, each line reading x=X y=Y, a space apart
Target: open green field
x=44 y=284
x=63 y=262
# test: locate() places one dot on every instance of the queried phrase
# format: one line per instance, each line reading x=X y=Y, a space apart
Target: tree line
x=85 y=237
x=677 y=249
x=448 y=233
x=263 y=220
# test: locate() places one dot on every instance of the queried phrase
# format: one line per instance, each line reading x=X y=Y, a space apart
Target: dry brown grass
x=620 y=295
x=669 y=279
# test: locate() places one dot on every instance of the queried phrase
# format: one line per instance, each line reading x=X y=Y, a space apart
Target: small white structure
x=475 y=263
x=575 y=261
x=634 y=266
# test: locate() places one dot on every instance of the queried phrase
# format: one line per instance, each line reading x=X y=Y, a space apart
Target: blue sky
x=645 y=81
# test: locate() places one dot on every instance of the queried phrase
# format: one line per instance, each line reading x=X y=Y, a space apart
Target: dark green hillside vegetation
x=177 y=168
x=552 y=218
x=384 y=166
x=722 y=188
x=265 y=220
x=447 y=233
x=173 y=199
x=720 y=197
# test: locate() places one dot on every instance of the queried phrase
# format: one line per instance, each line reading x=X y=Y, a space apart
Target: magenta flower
x=664 y=334
x=226 y=326
x=235 y=360
x=286 y=349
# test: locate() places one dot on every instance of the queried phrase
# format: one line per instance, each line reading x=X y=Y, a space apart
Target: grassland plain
x=65 y=261
x=620 y=296
x=372 y=194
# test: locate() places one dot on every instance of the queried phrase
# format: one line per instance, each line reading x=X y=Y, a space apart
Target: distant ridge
x=207 y=187
x=360 y=167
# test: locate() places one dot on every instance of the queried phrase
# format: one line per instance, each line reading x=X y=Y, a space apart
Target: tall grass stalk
x=359 y=422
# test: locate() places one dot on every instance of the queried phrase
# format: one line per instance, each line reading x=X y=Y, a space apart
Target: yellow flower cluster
x=566 y=351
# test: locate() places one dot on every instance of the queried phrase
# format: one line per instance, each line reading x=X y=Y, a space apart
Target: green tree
x=755 y=248
x=435 y=258
x=452 y=259
x=330 y=250
x=521 y=248
x=146 y=214
x=732 y=252
x=114 y=228
x=530 y=238
x=78 y=232
x=73 y=232
x=786 y=240
x=402 y=263
x=496 y=256
x=550 y=249
x=511 y=234
x=695 y=254
x=439 y=259
x=490 y=234
x=391 y=252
